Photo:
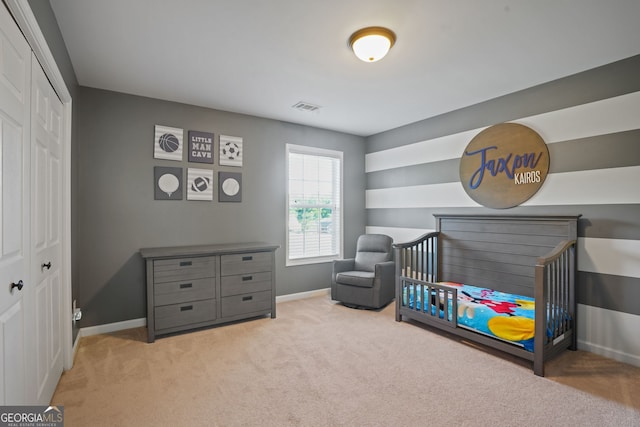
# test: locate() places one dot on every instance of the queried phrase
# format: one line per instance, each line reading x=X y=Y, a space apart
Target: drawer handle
x=186 y=285
x=186 y=308
x=247 y=278
x=247 y=258
x=185 y=263
x=249 y=298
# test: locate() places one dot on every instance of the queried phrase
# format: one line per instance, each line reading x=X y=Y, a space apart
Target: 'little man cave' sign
x=504 y=165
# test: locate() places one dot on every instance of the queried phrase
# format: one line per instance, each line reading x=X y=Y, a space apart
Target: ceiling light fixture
x=371 y=44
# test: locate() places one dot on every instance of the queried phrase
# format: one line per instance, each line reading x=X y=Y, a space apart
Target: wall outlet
x=77 y=314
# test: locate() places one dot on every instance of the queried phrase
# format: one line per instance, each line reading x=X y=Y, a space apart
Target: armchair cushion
x=364 y=279
x=372 y=249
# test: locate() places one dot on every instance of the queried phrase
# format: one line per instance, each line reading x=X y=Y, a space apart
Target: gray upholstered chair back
x=372 y=249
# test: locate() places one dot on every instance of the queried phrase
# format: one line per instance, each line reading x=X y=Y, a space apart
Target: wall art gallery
x=170 y=182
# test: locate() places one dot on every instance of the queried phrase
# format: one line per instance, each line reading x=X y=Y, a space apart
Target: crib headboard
x=498 y=251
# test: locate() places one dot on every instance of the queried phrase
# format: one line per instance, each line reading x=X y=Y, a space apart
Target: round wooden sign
x=504 y=165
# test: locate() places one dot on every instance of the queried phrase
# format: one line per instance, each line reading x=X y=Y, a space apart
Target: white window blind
x=314 y=205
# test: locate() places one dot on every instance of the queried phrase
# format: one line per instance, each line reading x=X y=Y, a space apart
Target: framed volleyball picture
x=230 y=150
x=199 y=184
x=167 y=143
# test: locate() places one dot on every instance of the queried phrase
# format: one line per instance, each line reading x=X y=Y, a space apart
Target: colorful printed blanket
x=504 y=316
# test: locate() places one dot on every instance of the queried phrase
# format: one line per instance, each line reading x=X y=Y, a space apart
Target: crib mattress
x=504 y=316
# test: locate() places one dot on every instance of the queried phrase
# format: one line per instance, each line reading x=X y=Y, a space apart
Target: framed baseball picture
x=229 y=187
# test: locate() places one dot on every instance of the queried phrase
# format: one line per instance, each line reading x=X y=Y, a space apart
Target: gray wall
x=598 y=152
x=605 y=150
x=49 y=27
x=117 y=213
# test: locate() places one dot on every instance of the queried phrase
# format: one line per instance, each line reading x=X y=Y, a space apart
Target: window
x=314 y=205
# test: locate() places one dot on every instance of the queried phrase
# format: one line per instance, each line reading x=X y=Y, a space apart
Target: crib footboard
x=555 y=304
x=415 y=262
x=417 y=295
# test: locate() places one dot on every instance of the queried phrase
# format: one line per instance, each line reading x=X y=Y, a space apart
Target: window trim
x=314 y=151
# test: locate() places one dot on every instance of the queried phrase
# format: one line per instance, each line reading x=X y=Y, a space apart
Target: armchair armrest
x=341 y=265
x=386 y=271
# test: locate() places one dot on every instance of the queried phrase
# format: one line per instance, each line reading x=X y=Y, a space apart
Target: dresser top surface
x=211 y=249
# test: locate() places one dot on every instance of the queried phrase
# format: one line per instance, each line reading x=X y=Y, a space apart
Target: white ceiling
x=260 y=57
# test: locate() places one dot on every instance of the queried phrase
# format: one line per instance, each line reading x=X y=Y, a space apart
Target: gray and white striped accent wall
x=591 y=123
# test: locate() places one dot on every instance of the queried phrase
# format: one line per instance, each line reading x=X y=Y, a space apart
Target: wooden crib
x=533 y=256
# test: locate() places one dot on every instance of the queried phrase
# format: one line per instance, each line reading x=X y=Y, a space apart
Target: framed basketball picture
x=167 y=143
x=230 y=150
x=199 y=184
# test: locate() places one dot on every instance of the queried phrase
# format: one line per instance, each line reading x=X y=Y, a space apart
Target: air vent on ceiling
x=305 y=106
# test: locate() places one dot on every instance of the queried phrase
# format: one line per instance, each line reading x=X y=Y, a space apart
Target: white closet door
x=46 y=232
x=15 y=84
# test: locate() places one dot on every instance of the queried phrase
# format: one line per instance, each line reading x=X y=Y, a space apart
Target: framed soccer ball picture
x=167 y=143
x=230 y=150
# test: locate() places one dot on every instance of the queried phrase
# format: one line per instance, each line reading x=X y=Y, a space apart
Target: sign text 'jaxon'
x=504 y=165
x=508 y=165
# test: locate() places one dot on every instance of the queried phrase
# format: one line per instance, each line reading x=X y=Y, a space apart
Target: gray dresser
x=194 y=286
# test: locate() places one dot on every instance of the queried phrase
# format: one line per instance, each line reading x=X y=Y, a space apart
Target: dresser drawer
x=245 y=263
x=170 y=316
x=246 y=303
x=183 y=291
x=171 y=270
x=245 y=283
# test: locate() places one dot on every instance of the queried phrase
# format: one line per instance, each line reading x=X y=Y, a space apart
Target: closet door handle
x=18 y=285
x=47 y=266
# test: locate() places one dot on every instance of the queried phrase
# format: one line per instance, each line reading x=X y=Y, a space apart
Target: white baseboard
x=136 y=323
x=75 y=344
x=112 y=327
x=611 y=353
x=609 y=333
x=303 y=295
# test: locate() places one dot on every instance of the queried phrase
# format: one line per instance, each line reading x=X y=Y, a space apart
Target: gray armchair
x=368 y=280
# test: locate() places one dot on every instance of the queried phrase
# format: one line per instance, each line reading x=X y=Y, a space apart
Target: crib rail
x=416 y=274
x=417 y=259
x=433 y=302
x=555 y=297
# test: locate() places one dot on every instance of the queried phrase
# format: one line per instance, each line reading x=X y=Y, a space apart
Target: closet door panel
x=46 y=138
x=15 y=282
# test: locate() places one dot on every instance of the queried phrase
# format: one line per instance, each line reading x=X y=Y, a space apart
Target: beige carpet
x=322 y=364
